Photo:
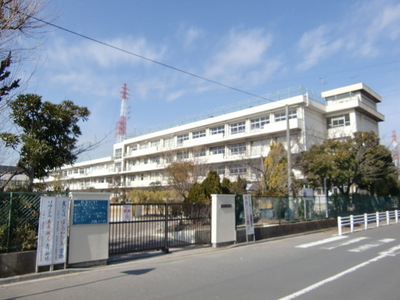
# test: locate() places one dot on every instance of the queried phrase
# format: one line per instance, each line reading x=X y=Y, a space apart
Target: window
x=220 y=170
x=237 y=170
x=238 y=127
x=118 y=153
x=199 y=153
x=292 y=114
x=155 y=143
x=259 y=123
x=217 y=130
x=168 y=142
x=182 y=138
x=217 y=150
x=238 y=148
x=199 y=134
x=182 y=155
x=281 y=116
x=134 y=148
x=338 y=121
x=155 y=160
x=144 y=145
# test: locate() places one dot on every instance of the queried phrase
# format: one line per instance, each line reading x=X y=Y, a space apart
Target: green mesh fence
x=19 y=219
x=270 y=210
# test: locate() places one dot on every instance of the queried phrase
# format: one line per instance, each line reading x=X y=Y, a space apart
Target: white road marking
x=387 y=240
x=390 y=252
x=353 y=241
x=321 y=242
x=370 y=246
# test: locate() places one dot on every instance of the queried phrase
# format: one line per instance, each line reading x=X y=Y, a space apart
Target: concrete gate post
x=223 y=225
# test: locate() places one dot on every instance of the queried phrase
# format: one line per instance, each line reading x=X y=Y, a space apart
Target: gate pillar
x=223 y=227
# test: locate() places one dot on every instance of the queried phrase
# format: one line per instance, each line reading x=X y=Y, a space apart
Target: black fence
x=158 y=226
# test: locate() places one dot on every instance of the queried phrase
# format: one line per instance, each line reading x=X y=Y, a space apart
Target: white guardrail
x=367 y=221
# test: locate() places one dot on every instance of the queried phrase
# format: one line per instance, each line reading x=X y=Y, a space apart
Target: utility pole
x=289 y=167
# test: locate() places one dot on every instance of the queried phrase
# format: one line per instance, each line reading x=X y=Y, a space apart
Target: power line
x=149 y=59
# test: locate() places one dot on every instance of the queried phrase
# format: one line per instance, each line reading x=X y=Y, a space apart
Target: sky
x=254 y=46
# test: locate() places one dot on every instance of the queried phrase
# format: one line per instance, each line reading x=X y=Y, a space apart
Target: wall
x=286 y=229
x=12 y=264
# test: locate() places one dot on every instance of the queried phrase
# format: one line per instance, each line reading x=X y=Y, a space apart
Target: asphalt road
x=362 y=265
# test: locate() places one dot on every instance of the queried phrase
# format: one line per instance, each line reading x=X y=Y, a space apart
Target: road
x=362 y=265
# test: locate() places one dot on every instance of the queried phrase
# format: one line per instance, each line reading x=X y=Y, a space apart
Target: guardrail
x=367 y=220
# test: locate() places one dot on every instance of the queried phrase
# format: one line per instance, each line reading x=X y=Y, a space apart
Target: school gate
x=158 y=226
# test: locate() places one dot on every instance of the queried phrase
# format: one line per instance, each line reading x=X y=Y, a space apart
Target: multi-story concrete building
x=231 y=142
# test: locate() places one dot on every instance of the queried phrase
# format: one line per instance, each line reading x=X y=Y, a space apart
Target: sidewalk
x=127 y=257
x=112 y=260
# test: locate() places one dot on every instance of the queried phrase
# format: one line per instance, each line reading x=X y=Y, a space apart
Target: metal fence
x=19 y=219
x=143 y=226
x=365 y=221
x=269 y=210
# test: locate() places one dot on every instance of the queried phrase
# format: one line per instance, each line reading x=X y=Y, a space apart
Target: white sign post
x=248 y=213
x=52 y=234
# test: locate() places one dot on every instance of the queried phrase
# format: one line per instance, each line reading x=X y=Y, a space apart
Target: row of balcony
x=271 y=129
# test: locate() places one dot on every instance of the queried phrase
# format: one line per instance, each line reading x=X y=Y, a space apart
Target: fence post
x=339 y=223
x=387 y=218
x=365 y=221
x=9 y=221
x=396 y=215
x=377 y=219
x=351 y=223
x=166 y=230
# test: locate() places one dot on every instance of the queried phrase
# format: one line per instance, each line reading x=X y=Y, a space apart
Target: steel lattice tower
x=123 y=116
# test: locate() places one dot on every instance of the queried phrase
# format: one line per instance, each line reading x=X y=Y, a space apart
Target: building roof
x=353 y=88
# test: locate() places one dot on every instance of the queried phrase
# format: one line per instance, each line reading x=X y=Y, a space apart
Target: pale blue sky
x=258 y=46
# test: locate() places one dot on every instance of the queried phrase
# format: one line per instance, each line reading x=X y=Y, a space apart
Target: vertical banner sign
x=248 y=213
x=61 y=226
x=52 y=234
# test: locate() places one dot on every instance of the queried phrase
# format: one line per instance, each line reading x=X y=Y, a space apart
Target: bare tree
x=19 y=19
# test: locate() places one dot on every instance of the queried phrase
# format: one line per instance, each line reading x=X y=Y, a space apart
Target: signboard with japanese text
x=248 y=213
x=52 y=233
x=126 y=213
x=89 y=212
x=88 y=238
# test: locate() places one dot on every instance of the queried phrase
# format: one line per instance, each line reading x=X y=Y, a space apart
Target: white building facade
x=231 y=143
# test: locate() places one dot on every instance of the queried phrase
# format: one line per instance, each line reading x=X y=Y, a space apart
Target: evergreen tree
x=212 y=184
x=49 y=134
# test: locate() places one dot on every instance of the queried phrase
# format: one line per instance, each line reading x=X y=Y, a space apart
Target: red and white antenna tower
x=395 y=149
x=123 y=116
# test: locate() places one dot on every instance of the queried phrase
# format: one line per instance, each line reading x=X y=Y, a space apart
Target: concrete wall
x=262 y=233
x=17 y=263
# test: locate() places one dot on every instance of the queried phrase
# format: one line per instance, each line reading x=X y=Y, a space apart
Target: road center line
x=390 y=252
